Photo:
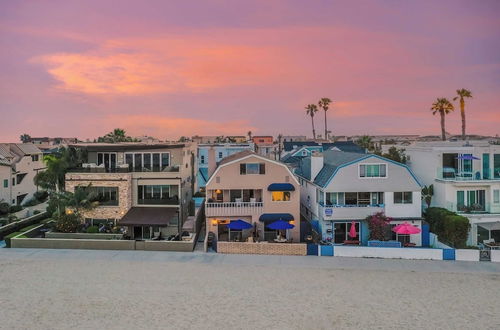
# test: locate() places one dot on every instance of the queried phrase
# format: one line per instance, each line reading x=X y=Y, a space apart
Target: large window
x=148 y=161
x=405 y=197
x=6 y=183
x=106 y=196
x=252 y=168
x=354 y=198
x=496 y=166
x=108 y=159
x=280 y=196
x=471 y=200
x=496 y=196
x=158 y=194
x=373 y=170
x=341 y=231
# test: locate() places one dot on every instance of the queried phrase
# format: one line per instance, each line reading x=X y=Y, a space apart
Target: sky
x=214 y=67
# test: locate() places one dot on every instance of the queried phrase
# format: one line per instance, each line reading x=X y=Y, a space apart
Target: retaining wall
x=60 y=243
x=495 y=255
x=390 y=253
x=467 y=254
x=295 y=249
x=15 y=226
x=82 y=235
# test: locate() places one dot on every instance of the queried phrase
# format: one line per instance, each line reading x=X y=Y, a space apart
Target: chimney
x=316 y=163
x=212 y=164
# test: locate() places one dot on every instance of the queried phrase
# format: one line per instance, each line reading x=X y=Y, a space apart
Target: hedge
x=450 y=227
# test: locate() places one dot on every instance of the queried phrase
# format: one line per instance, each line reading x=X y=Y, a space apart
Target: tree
x=462 y=94
x=378 y=224
x=396 y=154
x=324 y=103
x=249 y=135
x=116 y=136
x=366 y=142
x=68 y=207
x=183 y=139
x=427 y=193
x=25 y=138
x=311 y=110
x=442 y=106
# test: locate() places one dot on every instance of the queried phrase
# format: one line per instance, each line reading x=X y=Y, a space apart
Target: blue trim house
x=341 y=189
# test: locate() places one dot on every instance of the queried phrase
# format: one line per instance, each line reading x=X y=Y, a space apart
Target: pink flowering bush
x=378 y=224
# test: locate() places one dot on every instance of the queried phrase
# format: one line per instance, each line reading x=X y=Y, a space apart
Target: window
x=202 y=159
x=157 y=195
x=496 y=196
x=107 y=158
x=34 y=158
x=252 y=168
x=106 y=196
x=6 y=183
x=165 y=160
x=405 y=197
x=220 y=154
x=341 y=232
x=280 y=196
x=496 y=166
x=155 y=162
x=13 y=181
x=373 y=170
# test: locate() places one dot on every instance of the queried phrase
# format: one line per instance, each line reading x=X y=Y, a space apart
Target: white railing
x=233 y=208
x=349 y=212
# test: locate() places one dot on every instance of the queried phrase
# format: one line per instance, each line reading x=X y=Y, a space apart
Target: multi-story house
x=466 y=179
x=209 y=156
x=20 y=164
x=145 y=187
x=264 y=146
x=260 y=191
x=339 y=188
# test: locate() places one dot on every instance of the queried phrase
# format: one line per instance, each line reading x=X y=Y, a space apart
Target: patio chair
x=156 y=236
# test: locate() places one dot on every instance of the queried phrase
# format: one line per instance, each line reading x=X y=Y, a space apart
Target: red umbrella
x=406 y=229
x=352 y=231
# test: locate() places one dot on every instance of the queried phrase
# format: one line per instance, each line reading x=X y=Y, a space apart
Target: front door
x=137 y=232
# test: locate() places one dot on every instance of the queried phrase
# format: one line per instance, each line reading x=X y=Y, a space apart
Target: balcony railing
x=122 y=169
x=453 y=174
x=476 y=208
x=158 y=201
x=233 y=208
x=347 y=212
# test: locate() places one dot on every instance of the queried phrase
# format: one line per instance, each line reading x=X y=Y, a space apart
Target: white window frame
x=142 y=158
x=496 y=196
x=373 y=177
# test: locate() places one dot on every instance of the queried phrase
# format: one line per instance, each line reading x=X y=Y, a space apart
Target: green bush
x=41 y=195
x=67 y=223
x=93 y=230
x=31 y=202
x=450 y=227
x=15 y=208
x=4 y=208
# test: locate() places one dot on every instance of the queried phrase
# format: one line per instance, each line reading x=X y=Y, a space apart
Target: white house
x=466 y=180
x=339 y=188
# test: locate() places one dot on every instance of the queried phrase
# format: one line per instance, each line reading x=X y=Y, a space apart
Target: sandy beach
x=94 y=290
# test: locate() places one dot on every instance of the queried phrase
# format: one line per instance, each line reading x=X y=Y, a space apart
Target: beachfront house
x=257 y=191
x=466 y=180
x=144 y=187
x=341 y=189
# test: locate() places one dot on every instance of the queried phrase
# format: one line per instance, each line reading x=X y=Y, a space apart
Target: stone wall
x=262 y=248
x=121 y=180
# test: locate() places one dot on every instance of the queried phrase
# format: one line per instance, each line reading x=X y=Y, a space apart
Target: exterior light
x=292 y=222
x=68 y=211
x=214 y=222
x=218 y=191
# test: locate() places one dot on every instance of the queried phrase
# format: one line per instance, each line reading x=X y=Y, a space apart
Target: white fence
x=390 y=253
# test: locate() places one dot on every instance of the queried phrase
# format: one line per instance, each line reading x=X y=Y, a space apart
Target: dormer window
x=252 y=168
x=372 y=170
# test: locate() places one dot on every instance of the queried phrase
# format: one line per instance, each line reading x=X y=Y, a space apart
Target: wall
x=14 y=226
x=392 y=253
x=495 y=255
x=85 y=244
x=262 y=248
x=82 y=235
x=467 y=255
x=27 y=186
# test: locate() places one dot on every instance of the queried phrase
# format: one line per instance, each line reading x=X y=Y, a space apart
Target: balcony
x=233 y=208
x=348 y=212
x=454 y=175
x=477 y=208
x=123 y=168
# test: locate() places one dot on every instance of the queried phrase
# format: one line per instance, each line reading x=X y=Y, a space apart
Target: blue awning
x=266 y=217
x=281 y=187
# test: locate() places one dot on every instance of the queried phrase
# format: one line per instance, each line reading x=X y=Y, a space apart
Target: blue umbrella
x=238 y=225
x=467 y=157
x=280 y=225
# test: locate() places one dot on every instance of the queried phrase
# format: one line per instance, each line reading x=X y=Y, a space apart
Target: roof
x=4 y=161
x=347 y=146
x=5 y=150
x=237 y=155
x=123 y=146
x=28 y=148
x=152 y=216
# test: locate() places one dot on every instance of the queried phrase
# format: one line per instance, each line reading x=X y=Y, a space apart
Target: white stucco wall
x=391 y=253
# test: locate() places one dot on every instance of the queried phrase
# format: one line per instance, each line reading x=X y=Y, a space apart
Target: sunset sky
x=171 y=68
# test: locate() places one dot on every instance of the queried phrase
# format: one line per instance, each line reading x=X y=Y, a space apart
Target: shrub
x=450 y=227
x=92 y=230
x=67 y=223
x=378 y=225
x=31 y=202
x=4 y=208
x=199 y=194
x=41 y=195
x=15 y=208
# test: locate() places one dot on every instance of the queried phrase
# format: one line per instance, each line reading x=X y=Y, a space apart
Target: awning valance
x=148 y=216
x=281 y=187
x=266 y=217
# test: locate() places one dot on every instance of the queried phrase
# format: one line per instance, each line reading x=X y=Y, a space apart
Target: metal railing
x=453 y=174
x=97 y=169
x=233 y=208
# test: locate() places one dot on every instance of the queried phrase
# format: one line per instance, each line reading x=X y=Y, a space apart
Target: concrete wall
x=179 y=246
x=85 y=244
x=82 y=236
x=262 y=248
x=467 y=255
x=495 y=255
x=390 y=253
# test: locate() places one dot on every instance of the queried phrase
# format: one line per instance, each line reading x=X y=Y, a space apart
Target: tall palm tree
x=311 y=110
x=442 y=106
x=462 y=94
x=324 y=103
x=25 y=138
x=366 y=142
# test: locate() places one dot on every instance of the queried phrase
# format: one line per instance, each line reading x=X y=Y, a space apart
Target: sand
x=74 y=290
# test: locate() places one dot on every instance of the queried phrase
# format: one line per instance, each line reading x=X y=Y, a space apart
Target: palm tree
x=462 y=94
x=427 y=193
x=311 y=110
x=25 y=138
x=324 y=103
x=442 y=106
x=366 y=142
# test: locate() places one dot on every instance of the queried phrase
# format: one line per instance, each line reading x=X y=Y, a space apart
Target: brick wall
x=262 y=248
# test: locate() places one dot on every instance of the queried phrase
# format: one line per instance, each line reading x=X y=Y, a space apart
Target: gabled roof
x=236 y=155
x=28 y=148
x=347 y=146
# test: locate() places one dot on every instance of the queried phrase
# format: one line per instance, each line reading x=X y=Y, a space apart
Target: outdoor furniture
x=410 y=244
x=351 y=242
x=280 y=240
x=156 y=236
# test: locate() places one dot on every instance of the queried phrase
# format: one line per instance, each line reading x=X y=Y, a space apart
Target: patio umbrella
x=467 y=157
x=352 y=231
x=238 y=225
x=406 y=229
x=280 y=225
